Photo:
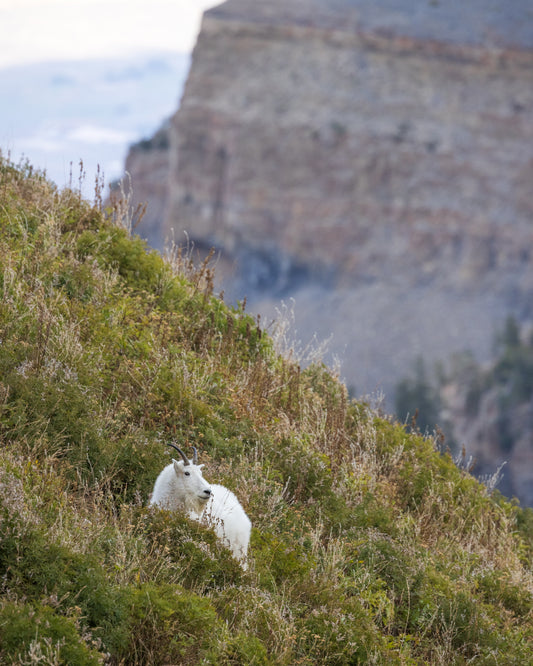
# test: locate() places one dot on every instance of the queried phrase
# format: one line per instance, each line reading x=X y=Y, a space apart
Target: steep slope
x=368 y=544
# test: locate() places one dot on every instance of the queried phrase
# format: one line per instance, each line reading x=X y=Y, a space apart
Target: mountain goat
x=181 y=487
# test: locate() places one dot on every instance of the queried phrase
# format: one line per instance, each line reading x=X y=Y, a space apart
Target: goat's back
x=165 y=492
x=225 y=513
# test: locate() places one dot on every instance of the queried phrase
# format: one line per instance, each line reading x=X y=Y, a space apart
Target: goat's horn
x=194 y=456
x=186 y=461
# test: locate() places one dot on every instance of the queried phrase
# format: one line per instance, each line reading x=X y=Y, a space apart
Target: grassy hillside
x=369 y=545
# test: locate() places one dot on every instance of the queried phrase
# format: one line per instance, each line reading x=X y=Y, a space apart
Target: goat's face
x=192 y=481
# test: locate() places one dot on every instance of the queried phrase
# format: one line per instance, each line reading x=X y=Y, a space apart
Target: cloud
x=56 y=140
x=47 y=143
x=93 y=134
x=47 y=30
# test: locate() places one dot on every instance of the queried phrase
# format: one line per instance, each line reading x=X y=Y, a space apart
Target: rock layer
x=354 y=150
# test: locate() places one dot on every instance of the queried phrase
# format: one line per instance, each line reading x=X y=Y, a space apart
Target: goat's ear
x=178 y=466
x=200 y=466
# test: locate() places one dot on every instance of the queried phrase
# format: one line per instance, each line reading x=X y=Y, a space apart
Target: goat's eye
x=187 y=473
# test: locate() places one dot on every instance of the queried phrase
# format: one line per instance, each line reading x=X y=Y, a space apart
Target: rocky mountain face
x=147 y=166
x=372 y=161
x=356 y=153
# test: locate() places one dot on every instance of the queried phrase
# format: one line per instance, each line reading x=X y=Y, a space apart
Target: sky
x=81 y=80
x=44 y=30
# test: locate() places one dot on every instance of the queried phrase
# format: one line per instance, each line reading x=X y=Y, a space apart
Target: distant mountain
x=61 y=112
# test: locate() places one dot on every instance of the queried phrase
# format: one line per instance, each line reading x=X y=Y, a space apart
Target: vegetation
x=512 y=373
x=369 y=545
x=417 y=399
x=159 y=141
x=508 y=379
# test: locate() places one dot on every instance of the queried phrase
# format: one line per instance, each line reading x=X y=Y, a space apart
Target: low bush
x=37 y=634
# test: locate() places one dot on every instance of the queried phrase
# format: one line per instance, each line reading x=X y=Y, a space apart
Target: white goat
x=181 y=487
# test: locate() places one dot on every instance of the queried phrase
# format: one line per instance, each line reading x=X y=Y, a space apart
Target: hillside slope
x=369 y=545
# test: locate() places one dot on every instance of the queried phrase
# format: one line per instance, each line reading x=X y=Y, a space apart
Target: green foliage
x=42 y=635
x=373 y=512
x=524 y=525
x=498 y=589
x=166 y=624
x=40 y=568
x=246 y=650
x=279 y=558
x=416 y=398
x=368 y=546
x=349 y=638
x=192 y=549
x=509 y=379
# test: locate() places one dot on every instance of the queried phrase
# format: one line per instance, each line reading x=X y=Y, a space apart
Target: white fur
x=182 y=487
x=231 y=524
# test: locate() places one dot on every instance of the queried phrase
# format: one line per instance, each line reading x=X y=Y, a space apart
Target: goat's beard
x=196 y=507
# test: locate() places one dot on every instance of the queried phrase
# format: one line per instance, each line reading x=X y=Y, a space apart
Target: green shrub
x=191 y=549
x=39 y=633
x=262 y=632
x=306 y=473
x=497 y=589
x=278 y=559
x=141 y=268
x=42 y=569
x=373 y=513
x=57 y=416
x=167 y=624
x=343 y=636
x=395 y=565
x=524 y=524
x=131 y=464
x=245 y=650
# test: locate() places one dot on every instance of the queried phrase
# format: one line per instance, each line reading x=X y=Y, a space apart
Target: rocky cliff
x=147 y=166
x=357 y=145
x=374 y=161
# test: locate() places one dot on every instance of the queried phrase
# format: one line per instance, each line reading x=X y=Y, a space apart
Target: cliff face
x=147 y=164
x=354 y=151
x=372 y=160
